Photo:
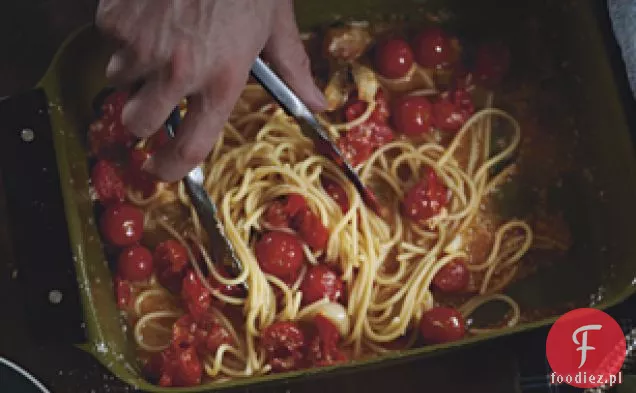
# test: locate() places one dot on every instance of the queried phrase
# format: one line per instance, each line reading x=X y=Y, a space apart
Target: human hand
x=202 y=49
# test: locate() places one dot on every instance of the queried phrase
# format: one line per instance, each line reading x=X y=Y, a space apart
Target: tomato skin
x=492 y=62
x=113 y=104
x=123 y=292
x=195 y=295
x=137 y=177
x=412 y=115
x=280 y=212
x=203 y=333
x=217 y=336
x=311 y=229
x=360 y=142
x=432 y=48
x=179 y=367
x=323 y=348
x=442 y=324
x=284 y=344
x=107 y=136
x=336 y=192
x=135 y=263
x=108 y=183
x=452 y=277
x=393 y=58
x=426 y=198
x=450 y=112
x=356 y=107
x=171 y=260
x=122 y=224
x=279 y=254
x=320 y=282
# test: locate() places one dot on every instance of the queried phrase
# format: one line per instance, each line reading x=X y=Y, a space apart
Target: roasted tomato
x=135 y=263
x=122 y=224
x=280 y=212
x=432 y=48
x=412 y=115
x=176 y=367
x=171 y=260
x=452 y=277
x=137 y=177
x=441 y=325
x=426 y=198
x=310 y=229
x=452 y=110
x=336 y=192
x=356 y=107
x=107 y=136
x=360 y=142
x=284 y=344
x=108 y=183
x=279 y=254
x=205 y=333
x=195 y=295
x=323 y=349
x=321 y=282
x=393 y=58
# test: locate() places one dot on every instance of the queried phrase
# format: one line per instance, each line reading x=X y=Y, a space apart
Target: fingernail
x=115 y=65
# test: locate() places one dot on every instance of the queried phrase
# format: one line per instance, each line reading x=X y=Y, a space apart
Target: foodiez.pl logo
x=586 y=349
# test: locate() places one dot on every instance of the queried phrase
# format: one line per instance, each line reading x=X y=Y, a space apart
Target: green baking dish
x=597 y=198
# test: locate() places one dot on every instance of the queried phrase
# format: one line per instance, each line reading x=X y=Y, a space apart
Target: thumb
x=285 y=51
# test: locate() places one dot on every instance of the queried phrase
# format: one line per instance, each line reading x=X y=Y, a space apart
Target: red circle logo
x=586 y=349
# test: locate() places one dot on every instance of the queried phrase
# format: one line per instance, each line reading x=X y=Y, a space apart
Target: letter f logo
x=583 y=344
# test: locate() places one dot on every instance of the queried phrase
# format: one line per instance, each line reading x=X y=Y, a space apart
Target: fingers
x=199 y=130
x=287 y=54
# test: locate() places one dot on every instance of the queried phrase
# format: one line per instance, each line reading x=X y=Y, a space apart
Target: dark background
x=30 y=32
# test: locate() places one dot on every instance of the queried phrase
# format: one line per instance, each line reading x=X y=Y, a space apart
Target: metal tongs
x=221 y=248
x=311 y=128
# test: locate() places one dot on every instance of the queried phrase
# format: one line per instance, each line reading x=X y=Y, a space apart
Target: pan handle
x=45 y=272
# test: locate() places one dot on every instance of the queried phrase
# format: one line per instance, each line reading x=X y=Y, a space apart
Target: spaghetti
x=388 y=268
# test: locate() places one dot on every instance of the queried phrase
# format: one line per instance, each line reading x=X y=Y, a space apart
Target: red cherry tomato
x=114 y=103
x=452 y=277
x=122 y=224
x=195 y=295
x=123 y=292
x=336 y=192
x=323 y=349
x=217 y=336
x=360 y=142
x=281 y=212
x=108 y=183
x=171 y=260
x=451 y=111
x=135 y=263
x=138 y=178
x=108 y=138
x=356 y=107
x=228 y=290
x=320 y=282
x=393 y=58
x=432 y=48
x=284 y=344
x=179 y=367
x=311 y=229
x=279 y=253
x=426 y=198
x=412 y=115
x=491 y=63
x=441 y=325
x=204 y=333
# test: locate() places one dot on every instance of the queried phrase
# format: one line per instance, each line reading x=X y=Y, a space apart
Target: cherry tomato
x=426 y=198
x=452 y=277
x=320 y=282
x=284 y=344
x=360 y=142
x=171 y=260
x=138 y=178
x=195 y=295
x=433 y=49
x=356 y=107
x=180 y=367
x=135 y=263
x=228 y=290
x=311 y=229
x=393 y=58
x=441 y=325
x=122 y=224
x=280 y=212
x=123 y=292
x=336 y=192
x=114 y=103
x=323 y=349
x=108 y=138
x=204 y=333
x=451 y=111
x=108 y=183
x=279 y=253
x=491 y=63
x=412 y=115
